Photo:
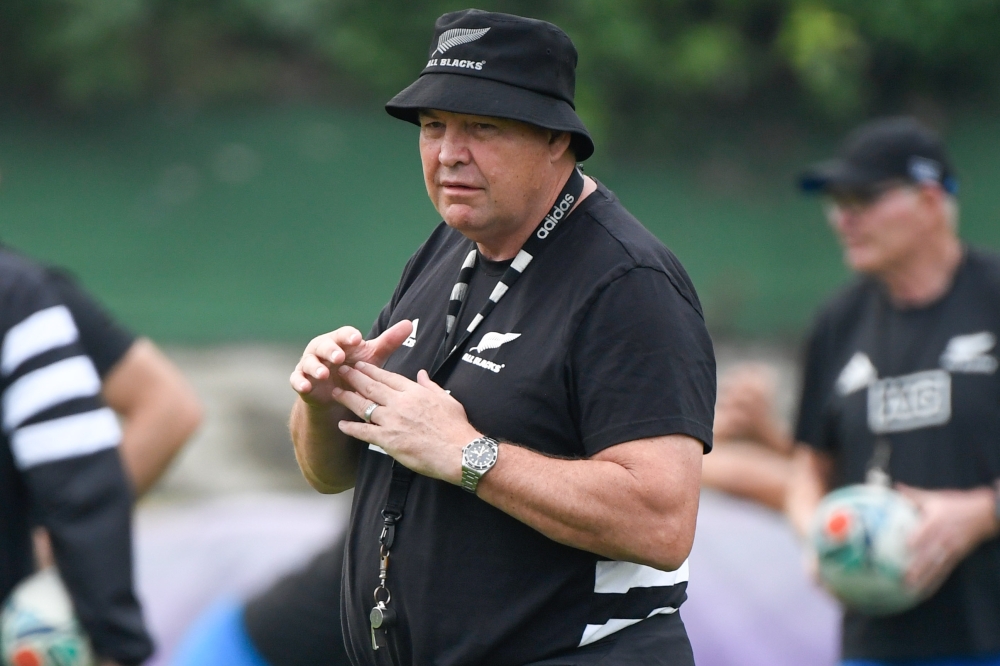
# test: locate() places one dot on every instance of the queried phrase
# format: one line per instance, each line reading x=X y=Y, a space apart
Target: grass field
x=274 y=224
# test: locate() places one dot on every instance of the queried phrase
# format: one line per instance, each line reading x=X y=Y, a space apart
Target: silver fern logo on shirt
x=489 y=341
x=970 y=353
x=457 y=37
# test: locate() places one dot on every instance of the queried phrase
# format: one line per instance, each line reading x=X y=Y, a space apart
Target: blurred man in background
x=61 y=352
x=906 y=356
x=570 y=546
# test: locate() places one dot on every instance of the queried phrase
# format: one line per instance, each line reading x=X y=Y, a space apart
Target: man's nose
x=454 y=148
x=843 y=216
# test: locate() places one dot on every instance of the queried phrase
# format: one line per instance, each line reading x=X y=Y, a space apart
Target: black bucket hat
x=489 y=64
x=882 y=150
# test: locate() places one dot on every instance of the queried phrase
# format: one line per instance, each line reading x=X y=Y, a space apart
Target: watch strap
x=471 y=475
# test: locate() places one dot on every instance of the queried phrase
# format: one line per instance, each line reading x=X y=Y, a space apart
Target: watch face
x=481 y=454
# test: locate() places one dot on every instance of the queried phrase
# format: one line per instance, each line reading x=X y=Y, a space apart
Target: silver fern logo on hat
x=457 y=37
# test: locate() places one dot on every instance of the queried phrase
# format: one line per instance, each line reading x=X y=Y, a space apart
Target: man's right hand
x=745 y=409
x=315 y=376
x=327 y=457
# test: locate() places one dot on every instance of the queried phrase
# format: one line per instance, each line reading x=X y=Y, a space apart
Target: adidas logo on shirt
x=412 y=339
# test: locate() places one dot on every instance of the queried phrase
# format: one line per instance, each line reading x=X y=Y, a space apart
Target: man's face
x=484 y=174
x=879 y=227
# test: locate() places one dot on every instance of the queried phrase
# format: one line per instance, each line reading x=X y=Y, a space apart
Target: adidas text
x=556 y=216
x=450 y=62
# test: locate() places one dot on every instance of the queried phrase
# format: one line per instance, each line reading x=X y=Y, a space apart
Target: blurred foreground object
x=38 y=626
x=861 y=536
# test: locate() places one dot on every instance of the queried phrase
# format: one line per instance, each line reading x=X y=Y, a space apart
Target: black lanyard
x=382 y=616
x=532 y=247
x=888 y=363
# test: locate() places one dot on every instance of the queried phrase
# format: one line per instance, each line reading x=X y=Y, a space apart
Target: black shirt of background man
x=296 y=622
x=601 y=341
x=104 y=339
x=59 y=463
x=952 y=340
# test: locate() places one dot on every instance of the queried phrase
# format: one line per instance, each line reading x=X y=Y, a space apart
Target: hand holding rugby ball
x=860 y=534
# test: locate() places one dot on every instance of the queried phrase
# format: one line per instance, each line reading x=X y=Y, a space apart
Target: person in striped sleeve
x=59 y=464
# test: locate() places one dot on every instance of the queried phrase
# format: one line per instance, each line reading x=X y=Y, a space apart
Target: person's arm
x=158 y=407
x=634 y=501
x=327 y=457
x=746 y=409
x=748 y=470
x=751 y=458
x=809 y=483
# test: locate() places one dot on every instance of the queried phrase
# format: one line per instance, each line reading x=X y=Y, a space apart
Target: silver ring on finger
x=369 y=410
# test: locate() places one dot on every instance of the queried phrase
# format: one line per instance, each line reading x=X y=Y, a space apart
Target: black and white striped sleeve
x=51 y=392
x=63 y=440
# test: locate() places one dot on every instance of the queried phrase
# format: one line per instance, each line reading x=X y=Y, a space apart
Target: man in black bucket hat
x=524 y=424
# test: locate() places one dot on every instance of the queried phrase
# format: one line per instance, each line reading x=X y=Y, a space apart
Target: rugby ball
x=38 y=626
x=860 y=535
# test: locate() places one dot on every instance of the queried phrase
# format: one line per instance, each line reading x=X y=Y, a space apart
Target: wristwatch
x=478 y=457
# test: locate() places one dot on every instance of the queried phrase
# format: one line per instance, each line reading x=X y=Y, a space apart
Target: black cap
x=882 y=150
x=489 y=64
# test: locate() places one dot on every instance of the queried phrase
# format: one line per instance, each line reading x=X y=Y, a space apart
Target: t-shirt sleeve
x=385 y=316
x=811 y=423
x=642 y=365
x=103 y=338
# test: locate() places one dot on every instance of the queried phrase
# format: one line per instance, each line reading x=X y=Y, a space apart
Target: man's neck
x=926 y=277
x=506 y=248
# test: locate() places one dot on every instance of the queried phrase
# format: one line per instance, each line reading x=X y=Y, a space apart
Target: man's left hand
x=953 y=523
x=417 y=423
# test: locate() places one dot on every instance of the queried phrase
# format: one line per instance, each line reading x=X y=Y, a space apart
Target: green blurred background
x=222 y=171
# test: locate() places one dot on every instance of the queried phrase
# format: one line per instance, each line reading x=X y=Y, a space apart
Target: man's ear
x=558 y=144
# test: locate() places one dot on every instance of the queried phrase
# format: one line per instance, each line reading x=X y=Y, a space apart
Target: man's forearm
x=327 y=457
x=637 y=501
x=811 y=472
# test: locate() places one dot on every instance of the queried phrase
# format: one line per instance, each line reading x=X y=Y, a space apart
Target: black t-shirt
x=104 y=339
x=925 y=379
x=601 y=341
